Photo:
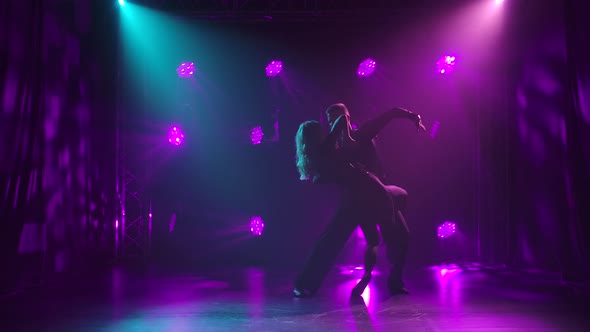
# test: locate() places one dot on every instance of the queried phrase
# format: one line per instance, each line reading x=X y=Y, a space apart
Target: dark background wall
x=497 y=166
x=220 y=180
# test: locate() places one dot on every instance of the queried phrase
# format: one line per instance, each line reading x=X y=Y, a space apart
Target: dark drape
x=56 y=124
x=533 y=115
x=577 y=123
x=21 y=126
x=546 y=191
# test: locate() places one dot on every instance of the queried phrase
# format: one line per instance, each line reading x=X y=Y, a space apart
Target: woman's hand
x=340 y=124
x=347 y=136
x=346 y=140
x=342 y=127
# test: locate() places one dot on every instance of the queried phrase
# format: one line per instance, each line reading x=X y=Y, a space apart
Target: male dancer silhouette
x=363 y=204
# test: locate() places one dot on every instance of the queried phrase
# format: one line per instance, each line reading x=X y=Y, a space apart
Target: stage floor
x=253 y=299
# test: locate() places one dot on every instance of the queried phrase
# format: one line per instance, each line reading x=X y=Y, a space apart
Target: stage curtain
x=577 y=123
x=56 y=129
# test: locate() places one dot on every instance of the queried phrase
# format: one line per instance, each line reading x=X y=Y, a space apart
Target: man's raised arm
x=369 y=130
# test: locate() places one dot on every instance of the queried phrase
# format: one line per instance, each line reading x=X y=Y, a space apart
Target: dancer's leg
x=325 y=252
x=396 y=236
x=370 y=261
x=370 y=258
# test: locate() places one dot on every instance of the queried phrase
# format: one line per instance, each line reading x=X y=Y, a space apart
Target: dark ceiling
x=277 y=9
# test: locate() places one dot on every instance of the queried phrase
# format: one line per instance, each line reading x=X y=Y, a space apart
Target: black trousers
x=368 y=206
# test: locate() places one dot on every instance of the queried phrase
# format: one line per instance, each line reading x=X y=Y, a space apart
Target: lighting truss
x=257 y=5
x=134 y=218
x=243 y=9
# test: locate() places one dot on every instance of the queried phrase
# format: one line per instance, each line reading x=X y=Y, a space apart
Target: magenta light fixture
x=366 y=68
x=446 y=64
x=175 y=136
x=434 y=129
x=256 y=225
x=172 y=223
x=446 y=229
x=186 y=69
x=274 y=68
x=256 y=135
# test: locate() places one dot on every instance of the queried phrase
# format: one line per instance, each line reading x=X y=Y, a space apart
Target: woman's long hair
x=307 y=142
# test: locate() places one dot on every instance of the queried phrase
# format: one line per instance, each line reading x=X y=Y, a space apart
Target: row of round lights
x=367 y=67
x=176 y=135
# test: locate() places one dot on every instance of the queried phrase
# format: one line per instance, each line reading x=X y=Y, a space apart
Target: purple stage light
x=256 y=135
x=446 y=229
x=274 y=68
x=186 y=69
x=366 y=68
x=434 y=129
x=446 y=64
x=172 y=223
x=175 y=136
x=256 y=225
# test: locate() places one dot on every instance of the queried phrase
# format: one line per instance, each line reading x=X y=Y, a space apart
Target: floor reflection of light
x=450 y=288
x=447 y=272
x=117 y=291
x=350 y=269
x=344 y=290
x=366 y=294
x=255 y=284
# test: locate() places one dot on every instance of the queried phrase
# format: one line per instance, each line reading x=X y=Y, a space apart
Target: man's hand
x=346 y=140
x=418 y=122
x=398 y=111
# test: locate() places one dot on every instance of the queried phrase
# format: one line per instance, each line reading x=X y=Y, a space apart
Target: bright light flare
x=366 y=68
x=175 y=136
x=274 y=68
x=186 y=69
x=446 y=229
x=256 y=135
x=256 y=225
x=122 y=2
x=446 y=64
